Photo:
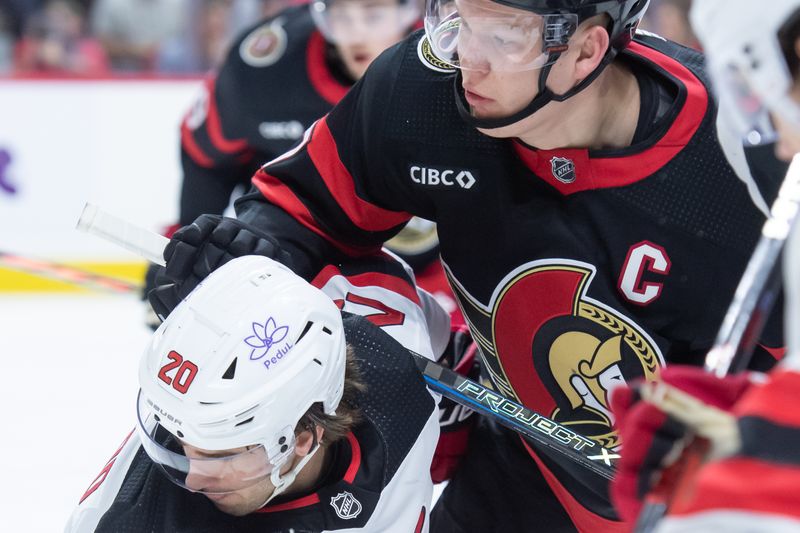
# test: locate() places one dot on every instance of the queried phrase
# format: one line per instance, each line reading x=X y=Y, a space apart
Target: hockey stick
x=541 y=430
x=66 y=274
x=738 y=335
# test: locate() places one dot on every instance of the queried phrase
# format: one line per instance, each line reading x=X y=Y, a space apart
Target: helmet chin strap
x=283 y=483
x=543 y=96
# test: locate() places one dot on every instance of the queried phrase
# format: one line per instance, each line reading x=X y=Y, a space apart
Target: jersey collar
x=572 y=170
x=319 y=74
x=314 y=498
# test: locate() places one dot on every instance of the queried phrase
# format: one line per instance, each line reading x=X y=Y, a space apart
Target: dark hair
x=347 y=413
x=787 y=37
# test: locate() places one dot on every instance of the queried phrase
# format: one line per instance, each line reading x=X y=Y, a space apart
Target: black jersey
x=577 y=270
x=275 y=83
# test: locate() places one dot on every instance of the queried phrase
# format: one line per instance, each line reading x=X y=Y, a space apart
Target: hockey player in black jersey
x=264 y=408
x=593 y=221
x=280 y=76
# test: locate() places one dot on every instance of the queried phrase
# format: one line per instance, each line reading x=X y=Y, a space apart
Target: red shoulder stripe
x=325 y=155
x=281 y=195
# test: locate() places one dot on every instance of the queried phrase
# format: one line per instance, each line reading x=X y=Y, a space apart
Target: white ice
x=67 y=390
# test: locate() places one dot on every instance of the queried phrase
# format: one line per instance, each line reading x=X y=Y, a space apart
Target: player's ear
x=592 y=42
x=305 y=440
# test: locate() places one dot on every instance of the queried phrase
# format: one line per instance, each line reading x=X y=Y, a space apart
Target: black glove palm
x=200 y=248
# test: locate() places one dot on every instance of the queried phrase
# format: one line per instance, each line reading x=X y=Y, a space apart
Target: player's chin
x=234 y=505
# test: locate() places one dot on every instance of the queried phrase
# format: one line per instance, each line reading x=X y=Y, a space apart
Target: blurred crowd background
x=170 y=37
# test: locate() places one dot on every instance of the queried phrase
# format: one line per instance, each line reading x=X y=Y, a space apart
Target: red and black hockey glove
x=200 y=248
x=654 y=433
x=455 y=420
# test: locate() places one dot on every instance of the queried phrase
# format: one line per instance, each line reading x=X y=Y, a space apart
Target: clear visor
x=201 y=470
x=483 y=35
x=749 y=115
x=359 y=21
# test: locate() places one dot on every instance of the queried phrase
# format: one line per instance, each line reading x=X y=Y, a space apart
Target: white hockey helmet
x=747 y=63
x=235 y=366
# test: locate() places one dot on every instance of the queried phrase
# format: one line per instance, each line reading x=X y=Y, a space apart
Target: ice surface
x=68 y=366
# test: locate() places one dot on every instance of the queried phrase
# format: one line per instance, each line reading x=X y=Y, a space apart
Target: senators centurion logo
x=556 y=350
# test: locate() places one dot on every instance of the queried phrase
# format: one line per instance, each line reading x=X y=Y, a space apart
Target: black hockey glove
x=200 y=248
x=150 y=319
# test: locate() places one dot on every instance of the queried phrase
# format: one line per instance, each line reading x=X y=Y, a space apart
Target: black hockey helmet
x=624 y=14
x=560 y=20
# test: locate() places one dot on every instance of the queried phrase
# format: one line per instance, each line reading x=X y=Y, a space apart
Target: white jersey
x=380 y=478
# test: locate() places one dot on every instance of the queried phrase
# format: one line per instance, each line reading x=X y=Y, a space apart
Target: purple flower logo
x=265 y=337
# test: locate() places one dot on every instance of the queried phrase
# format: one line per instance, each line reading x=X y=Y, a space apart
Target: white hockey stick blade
x=147 y=244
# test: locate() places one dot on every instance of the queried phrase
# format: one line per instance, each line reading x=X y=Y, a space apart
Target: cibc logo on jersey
x=442 y=177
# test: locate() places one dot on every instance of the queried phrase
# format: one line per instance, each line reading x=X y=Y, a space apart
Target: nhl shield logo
x=346 y=505
x=563 y=169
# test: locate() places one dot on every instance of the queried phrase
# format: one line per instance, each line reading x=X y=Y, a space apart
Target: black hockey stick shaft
x=67 y=274
x=738 y=335
x=542 y=431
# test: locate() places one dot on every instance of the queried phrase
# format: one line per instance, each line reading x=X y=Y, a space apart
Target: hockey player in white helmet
x=263 y=408
x=749 y=481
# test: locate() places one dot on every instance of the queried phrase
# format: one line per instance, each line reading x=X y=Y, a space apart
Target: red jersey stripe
x=355 y=460
x=318 y=73
x=420 y=521
x=604 y=172
x=193 y=149
x=282 y=196
x=214 y=127
x=305 y=501
x=369 y=279
x=583 y=518
x=366 y=216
